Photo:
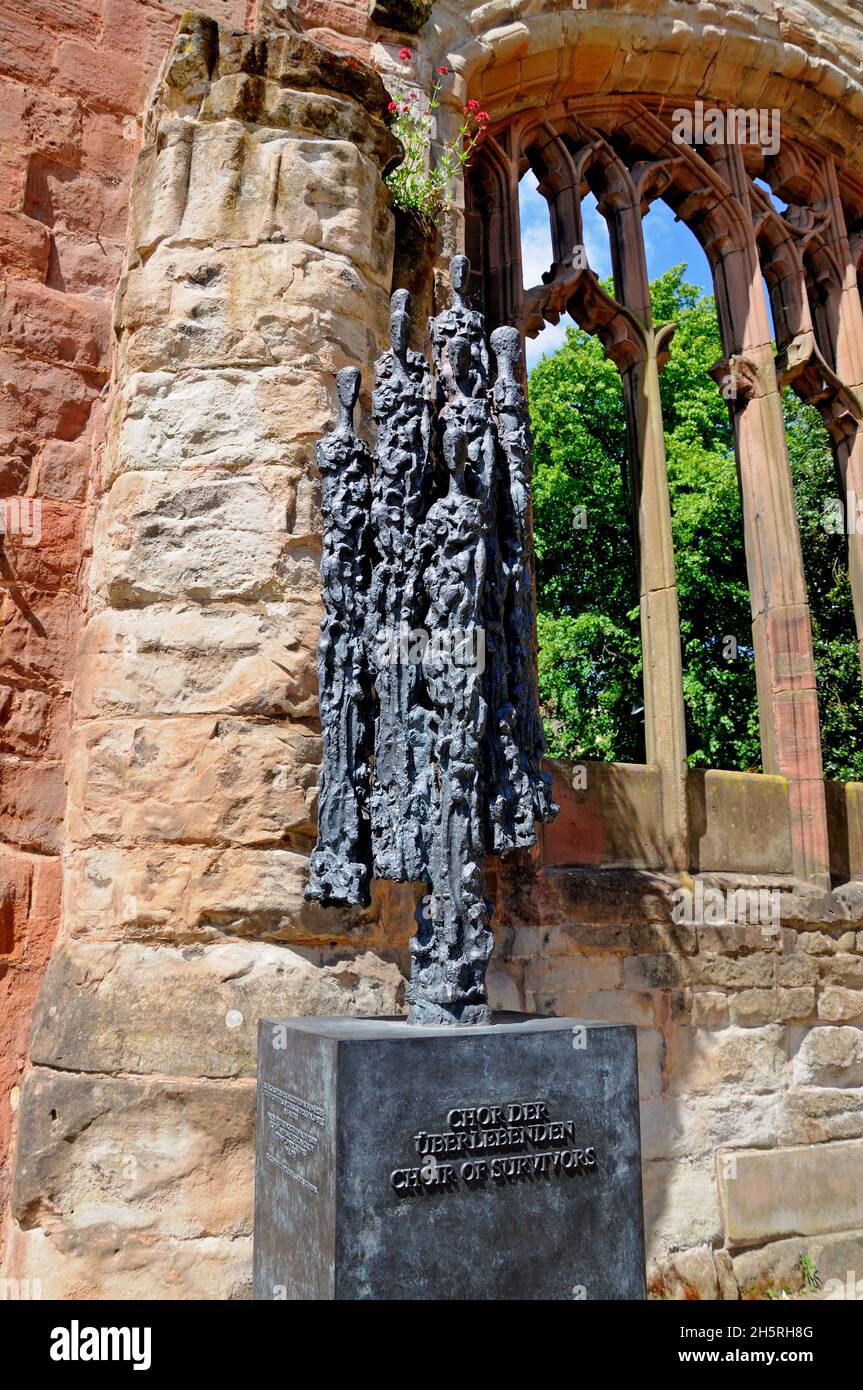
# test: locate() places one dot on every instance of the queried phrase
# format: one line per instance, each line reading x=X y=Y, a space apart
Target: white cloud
x=549 y=340
x=536 y=256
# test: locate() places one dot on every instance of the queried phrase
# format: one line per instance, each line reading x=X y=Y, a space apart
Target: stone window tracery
x=805 y=238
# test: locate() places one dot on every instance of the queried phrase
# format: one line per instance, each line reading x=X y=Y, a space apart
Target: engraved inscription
x=292 y=1130
x=493 y=1145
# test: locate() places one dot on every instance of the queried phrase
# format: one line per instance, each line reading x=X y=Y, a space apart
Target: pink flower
x=393 y=106
x=415 y=96
x=471 y=106
x=444 y=71
x=405 y=55
x=483 y=117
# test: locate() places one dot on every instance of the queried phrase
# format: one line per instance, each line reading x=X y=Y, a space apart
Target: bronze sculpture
x=428 y=631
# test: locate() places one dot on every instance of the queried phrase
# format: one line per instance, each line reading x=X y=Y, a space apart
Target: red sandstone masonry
x=73 y=80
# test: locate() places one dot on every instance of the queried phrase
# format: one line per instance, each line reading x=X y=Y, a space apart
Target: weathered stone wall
x=73 y=81
x=750 y=1049
x=258 y=262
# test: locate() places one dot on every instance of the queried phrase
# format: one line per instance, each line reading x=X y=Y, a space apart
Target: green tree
x=588 y=624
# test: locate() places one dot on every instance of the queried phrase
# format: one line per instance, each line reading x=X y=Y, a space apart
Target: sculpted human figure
x=450 y=950
x=401 y=409
x=461 y=321
x=340 y=864
x=521 y=727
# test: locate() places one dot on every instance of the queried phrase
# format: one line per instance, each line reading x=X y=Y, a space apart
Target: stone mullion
x=559 y=186
x=781 y=623
x=664 y=716
x=846 y=332
x=502 y=249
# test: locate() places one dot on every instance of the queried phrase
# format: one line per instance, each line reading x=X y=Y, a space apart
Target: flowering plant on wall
x=419 y=183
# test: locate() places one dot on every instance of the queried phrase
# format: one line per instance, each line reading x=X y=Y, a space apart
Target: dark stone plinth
x=347 y=1208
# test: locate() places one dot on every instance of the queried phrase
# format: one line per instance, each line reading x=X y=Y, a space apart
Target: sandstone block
x=33 y=722
x=681 y=1207
x=201 y=780
x=138 y=31
x=675 y=1129
x=583 y=973
x=274 y=302
x=56 y=327
x=610 y=1005
x=76 y=201
x=32 y=802
x=166 y=536
x=119 y=85
x=193 y=893
x=63 y=470
x=226 y=420
x=34 y=121
x=766 y=1193
x=650 y=972
x=755 y=1007
x=796 y=970
x=185 y=659
x=774 y=1266
x=687 y=1274
x=778 y=1264
x=27 y=50
x=576 y=899
x=730 y=973
x=109 y=143
x=88 y=266
x=321 y=118
x=817 y=943
x=54 y=560
x=817 y=1114
x=291 y=189
x=192 y=1011
x=39 y=633
x=753 y=1059
x=830 y=1057
x=838 y=1005
x=708 y=1008
x=162 y=1158
x=84 y=23
x=25 y=245
x=125 y=1265
x=842 y=970
x=42 y=398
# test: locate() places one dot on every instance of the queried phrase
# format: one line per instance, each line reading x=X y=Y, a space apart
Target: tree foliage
x=588 y=619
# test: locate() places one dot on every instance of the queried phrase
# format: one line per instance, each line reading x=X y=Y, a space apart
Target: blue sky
x=667 y=243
